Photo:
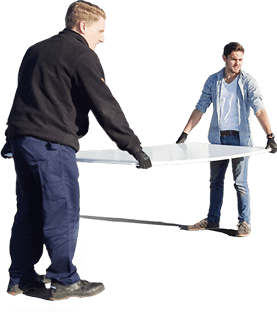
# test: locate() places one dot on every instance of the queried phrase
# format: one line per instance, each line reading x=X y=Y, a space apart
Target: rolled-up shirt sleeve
x=206 y=97
x=254 y=96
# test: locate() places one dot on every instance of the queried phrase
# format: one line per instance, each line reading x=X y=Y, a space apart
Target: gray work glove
x=182 y=138
x=143 y=159
x=271 y=144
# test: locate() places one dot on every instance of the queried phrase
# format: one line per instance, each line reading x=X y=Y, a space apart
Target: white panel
x=172 y=154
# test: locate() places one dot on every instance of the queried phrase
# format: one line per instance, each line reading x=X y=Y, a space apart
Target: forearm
x=193 y=121
x=264 y=121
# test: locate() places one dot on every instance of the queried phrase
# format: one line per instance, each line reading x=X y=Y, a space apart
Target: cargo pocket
x=51 y=174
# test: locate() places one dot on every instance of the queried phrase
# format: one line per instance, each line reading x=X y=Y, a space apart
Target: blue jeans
x=47 y=210
x=218 y=170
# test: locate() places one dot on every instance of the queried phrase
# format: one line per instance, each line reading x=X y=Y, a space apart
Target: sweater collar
x=74 y=34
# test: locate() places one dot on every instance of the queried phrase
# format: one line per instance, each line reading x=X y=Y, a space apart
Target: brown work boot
x=203 y=225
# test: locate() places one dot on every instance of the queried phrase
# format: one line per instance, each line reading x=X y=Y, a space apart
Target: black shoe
x=16 y=290
x=39 y=283
x=80 y=289
x=43 y=279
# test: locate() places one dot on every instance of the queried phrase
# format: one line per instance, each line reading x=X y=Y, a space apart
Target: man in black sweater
x=60 y=80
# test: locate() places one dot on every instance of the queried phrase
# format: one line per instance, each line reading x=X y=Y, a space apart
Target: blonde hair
x=82 y=11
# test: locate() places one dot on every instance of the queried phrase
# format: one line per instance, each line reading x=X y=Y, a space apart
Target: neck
x=229 y=76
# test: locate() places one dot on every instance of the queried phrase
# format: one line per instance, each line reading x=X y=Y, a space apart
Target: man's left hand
x=271 y=144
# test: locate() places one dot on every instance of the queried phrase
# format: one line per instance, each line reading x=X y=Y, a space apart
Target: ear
x=82 y=27
x=224 y=58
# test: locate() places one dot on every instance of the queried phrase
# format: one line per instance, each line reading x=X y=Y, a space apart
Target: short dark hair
x=231 y=47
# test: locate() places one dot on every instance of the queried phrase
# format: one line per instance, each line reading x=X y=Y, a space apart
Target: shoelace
x=242 y=226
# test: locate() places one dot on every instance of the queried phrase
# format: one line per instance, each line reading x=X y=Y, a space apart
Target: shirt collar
x=221 y=73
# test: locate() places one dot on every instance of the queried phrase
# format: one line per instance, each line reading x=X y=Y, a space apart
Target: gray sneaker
x=243 y=229
x=203 y=225
x=80 y=289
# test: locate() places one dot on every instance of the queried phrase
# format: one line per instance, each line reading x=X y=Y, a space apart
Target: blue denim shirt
x=248 y=95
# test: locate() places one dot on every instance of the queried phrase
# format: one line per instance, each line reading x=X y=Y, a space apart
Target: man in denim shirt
x=232 y=92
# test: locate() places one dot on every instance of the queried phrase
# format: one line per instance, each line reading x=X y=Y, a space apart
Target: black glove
x=143 y=159
x=271 y=144
x=182 y=138
x=6 y=149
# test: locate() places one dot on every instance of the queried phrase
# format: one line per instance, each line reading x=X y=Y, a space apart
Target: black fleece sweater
x=60 y=80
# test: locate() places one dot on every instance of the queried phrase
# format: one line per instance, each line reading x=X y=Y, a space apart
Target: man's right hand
x=143 y=159
x=182 y=138
x=6 y=150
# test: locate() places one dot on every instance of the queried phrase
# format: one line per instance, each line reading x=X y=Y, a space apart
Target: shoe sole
x=79 y=296
x=243 y=235
x=15 y=293
x=202 y=229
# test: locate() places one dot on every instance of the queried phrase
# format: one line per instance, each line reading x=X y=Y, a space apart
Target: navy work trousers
x=47 y=192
